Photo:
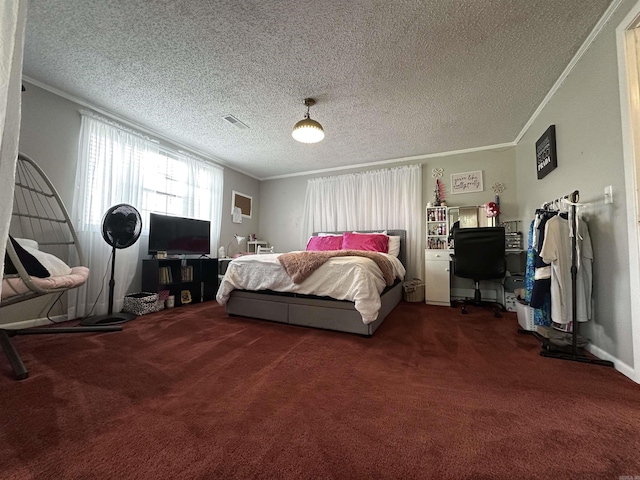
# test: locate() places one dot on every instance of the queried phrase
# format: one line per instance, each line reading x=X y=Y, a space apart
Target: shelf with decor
x=190 y=280
x=437 y=228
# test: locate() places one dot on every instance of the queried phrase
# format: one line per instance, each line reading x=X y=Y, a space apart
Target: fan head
x=121 y=226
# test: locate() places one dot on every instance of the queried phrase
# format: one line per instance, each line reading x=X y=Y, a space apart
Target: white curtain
x=13 y=14
x=205 y=201
x=109 y=172
x=380 y=199
x=117 y=165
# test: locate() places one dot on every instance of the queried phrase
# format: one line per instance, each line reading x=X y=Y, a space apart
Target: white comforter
x=357 y=279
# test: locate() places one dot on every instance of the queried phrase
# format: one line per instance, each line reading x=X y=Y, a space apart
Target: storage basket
x=140 y=303
x=525 y=316
x=413 y=290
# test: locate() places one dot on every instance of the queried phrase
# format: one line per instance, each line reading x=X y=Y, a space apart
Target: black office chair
x=479 y=254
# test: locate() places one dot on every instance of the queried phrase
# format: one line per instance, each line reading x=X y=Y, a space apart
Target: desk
x=439 y=278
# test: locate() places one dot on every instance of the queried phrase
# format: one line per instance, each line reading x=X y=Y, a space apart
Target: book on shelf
x=164 y=275
x=187 y=273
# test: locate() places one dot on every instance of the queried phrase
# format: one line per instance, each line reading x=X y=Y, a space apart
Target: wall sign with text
x=466 y=182
x=546 y=158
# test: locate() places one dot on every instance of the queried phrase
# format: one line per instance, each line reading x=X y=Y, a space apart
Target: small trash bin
x=413 y=290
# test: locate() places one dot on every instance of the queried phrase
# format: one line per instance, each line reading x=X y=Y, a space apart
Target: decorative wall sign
x=546 y=159
x=466 y=182
x=243 y=202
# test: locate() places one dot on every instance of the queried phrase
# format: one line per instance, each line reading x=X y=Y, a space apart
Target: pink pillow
x=363 y=241
x=319 y=244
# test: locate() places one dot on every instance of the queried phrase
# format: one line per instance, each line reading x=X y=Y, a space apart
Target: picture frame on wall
x=546 y=156
x=243 y=202
x=466 y=182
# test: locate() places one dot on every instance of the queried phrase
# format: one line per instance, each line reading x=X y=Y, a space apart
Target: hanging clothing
x=530 y=268
x=537 y=291
x=542 y=284
x=557 y=251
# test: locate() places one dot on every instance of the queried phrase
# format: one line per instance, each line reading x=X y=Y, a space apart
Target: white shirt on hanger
x=556 y=250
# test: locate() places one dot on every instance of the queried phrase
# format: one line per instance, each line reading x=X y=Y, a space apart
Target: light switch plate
x=608 y=194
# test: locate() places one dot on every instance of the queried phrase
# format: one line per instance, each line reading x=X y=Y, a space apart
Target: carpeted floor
x=188 y=393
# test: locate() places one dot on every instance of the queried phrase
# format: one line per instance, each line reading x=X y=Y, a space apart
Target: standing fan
x=121 y=227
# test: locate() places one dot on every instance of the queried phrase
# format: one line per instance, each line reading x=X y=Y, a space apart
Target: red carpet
x=190 y=394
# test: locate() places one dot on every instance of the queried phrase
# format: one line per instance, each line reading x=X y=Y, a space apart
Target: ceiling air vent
x=235 y=122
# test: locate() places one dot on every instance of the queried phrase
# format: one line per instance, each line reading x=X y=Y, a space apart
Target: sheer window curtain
x=388 y=198
x=205 y=200
x=117 y=165
x=109 y=172
x=13 y=15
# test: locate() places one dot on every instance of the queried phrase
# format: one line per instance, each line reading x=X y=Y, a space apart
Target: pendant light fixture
x=307 y=130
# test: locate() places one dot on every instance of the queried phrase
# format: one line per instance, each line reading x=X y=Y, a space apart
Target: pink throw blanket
x=300 y=265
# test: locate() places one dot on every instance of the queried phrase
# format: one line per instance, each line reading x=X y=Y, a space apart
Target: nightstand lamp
x=221 y=251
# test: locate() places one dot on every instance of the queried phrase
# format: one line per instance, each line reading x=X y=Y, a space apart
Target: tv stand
x=198 y=276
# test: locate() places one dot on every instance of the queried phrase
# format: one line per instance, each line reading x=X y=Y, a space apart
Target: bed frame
x=318 y=312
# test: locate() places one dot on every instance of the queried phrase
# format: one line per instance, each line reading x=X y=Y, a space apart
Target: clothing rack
x=572 y=354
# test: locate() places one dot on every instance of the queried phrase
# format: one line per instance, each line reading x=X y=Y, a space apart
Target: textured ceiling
x=392 y=78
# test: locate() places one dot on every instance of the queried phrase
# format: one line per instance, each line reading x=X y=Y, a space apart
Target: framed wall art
x=466 y=182
x=546 y=158
x=243 y=202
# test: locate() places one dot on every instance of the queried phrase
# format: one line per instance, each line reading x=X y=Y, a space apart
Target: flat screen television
x=179 y=235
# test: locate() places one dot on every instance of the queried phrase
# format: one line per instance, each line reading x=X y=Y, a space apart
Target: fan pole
x=112 y=281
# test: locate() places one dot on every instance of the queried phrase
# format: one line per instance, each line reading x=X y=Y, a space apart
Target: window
x=122 y=166
x=170 y=187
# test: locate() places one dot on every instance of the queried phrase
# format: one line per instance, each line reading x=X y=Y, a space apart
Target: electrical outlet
x=608 y=194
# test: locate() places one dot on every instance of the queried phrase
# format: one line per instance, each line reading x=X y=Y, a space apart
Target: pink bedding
x=15 y=286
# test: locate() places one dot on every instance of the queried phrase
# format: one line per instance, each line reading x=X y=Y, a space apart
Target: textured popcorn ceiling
x=392 y=78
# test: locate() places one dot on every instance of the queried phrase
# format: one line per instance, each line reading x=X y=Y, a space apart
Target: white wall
x=249 y=186
x=586 y=112
x=49 y=133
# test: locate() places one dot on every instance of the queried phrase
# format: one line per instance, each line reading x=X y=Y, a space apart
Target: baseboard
x=35 y=322
x=619 y=365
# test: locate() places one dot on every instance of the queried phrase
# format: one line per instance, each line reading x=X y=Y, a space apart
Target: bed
x=256 y=287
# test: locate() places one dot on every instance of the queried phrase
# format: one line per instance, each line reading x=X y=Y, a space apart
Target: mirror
x=469 y=216
x=453 y=215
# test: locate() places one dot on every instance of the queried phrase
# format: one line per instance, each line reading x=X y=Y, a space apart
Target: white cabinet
x=436 y=257
x=437 y=278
